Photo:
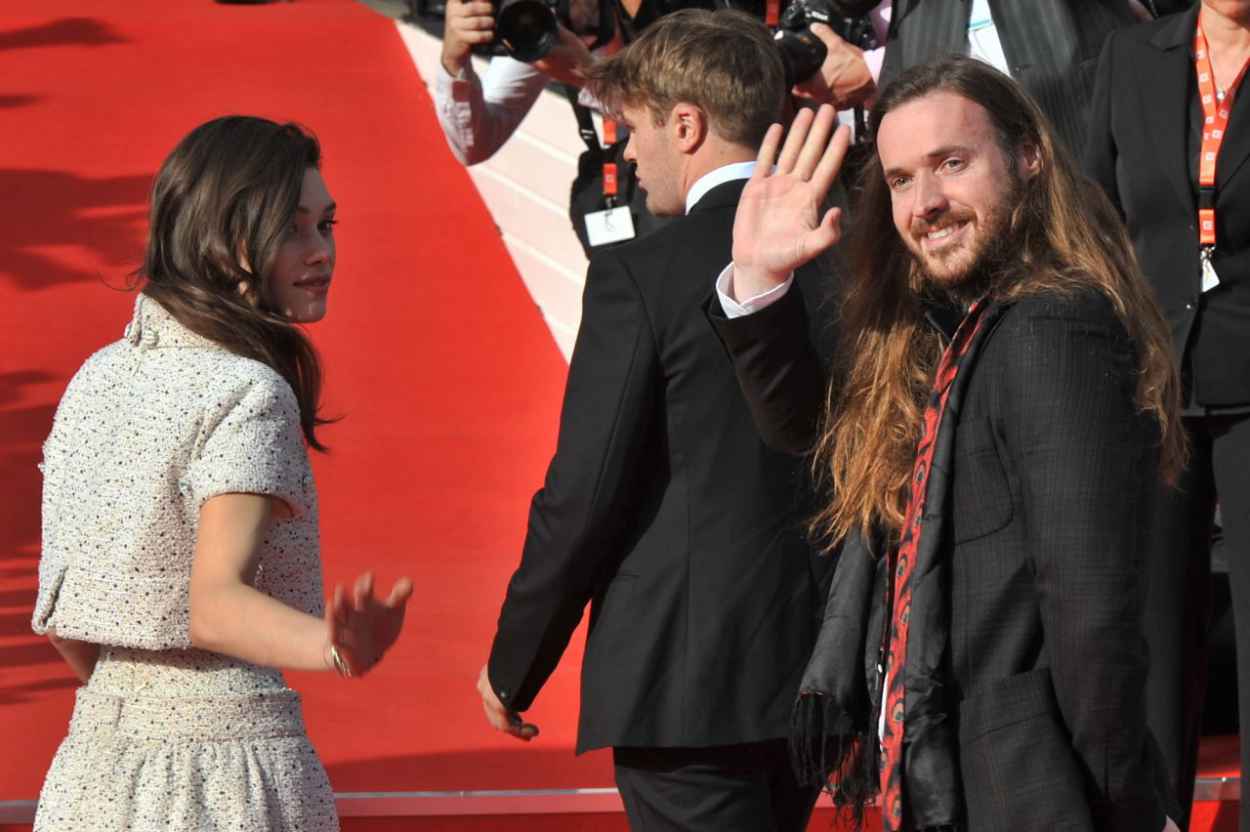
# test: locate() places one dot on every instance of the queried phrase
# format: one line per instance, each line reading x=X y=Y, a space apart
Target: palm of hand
x=779 y=225
x=775 y=217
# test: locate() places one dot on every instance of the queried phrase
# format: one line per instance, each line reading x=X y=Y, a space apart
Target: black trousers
x=1178 y=610
x=723 y=789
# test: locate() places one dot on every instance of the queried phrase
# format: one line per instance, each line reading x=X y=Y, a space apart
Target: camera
x=527 y=29
x=802 y=52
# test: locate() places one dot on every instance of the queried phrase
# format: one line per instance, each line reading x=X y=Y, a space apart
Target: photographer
x=1049 y=47
x=848 y=75
x=479 y=115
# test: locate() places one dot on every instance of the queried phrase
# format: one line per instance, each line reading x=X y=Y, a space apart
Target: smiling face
x=952 y=188
x=299 y=279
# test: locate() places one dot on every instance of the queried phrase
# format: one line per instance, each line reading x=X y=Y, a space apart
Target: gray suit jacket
x=1052 y=47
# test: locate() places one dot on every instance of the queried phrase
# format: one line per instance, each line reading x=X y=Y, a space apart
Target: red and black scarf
x=902 y=598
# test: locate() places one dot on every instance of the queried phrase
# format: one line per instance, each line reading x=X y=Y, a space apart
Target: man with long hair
x=1007 y=401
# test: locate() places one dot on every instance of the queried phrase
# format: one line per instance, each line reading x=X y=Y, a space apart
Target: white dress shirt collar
x=709 y=180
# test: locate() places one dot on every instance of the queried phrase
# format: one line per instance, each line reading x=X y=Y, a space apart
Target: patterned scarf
x=876 y=600
x=903 y=565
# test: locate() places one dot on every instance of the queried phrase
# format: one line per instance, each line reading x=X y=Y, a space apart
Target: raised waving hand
x=779 y=225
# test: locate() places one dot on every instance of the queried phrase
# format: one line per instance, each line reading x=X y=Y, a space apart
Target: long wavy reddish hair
x=1065 y=236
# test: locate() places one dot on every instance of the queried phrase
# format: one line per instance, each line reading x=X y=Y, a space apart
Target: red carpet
x=437 y=358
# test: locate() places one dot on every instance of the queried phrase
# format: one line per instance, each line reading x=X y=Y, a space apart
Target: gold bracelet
x=341 y=667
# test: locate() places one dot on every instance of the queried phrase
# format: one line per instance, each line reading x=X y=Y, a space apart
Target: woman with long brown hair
x=1006 y=404
x=180 y=566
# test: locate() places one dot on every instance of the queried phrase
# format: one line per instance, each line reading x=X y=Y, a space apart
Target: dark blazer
x=665 y=511
x=1049 y=473
x=1051 y=46
x=1140 y=151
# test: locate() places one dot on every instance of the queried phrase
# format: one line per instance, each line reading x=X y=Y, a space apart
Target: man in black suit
x=662 y=508
x=992 y=444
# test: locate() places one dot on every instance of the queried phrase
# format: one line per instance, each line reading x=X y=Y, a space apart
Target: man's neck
x=709 y=157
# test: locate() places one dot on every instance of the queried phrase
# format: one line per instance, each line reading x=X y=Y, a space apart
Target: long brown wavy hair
x=221 y=203
x=1064 y=235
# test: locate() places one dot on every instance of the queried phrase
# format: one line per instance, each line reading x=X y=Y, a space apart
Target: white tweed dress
x=165 y=736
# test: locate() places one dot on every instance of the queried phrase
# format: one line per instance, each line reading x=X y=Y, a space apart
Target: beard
x=961 y=275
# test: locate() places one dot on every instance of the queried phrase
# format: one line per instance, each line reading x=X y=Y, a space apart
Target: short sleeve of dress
x=253 y=444
x=52 y=560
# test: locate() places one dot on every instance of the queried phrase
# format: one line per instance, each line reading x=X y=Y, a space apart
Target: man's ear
x=688 y=125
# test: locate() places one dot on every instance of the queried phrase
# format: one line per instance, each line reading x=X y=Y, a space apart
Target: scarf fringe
x=826 y=749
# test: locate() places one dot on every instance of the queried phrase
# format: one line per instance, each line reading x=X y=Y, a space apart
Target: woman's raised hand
x=363 y=627
x=779 y=225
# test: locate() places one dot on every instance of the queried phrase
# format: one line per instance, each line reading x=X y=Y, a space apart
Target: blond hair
x=723 y=62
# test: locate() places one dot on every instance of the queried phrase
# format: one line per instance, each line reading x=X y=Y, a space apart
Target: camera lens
x=802 y=53
x=527 y=28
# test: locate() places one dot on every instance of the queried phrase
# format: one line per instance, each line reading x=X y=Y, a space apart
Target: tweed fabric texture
x=185 y=740
x=165 y=736
x=149 y=428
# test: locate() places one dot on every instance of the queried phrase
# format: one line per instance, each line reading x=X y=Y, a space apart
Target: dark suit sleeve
x=1100 y=151
x=576 y=520
x=781 y=376
x=1085 y=458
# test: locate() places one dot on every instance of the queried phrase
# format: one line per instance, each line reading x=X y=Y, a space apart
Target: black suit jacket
x=1139 y=151
x=1049 y=472
x=1051 y=46
x=663 y=509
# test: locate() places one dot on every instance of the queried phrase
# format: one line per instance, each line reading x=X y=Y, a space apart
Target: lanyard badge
x=610 y=185
x=615 y=223
x=1216 y=108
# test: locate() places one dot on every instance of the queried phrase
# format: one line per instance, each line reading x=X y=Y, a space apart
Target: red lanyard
x=1215 y=111
x=609 y=168
x=772 y=14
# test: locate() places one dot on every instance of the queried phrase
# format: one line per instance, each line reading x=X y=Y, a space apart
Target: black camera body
x=529 y=29
x=801 y=51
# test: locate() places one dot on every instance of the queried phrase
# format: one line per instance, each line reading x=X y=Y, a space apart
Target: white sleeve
x=254 y=445
x=479 y=115
x=739 y=309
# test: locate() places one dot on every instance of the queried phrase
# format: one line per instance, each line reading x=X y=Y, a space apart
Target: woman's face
x=299 y=281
